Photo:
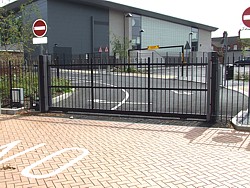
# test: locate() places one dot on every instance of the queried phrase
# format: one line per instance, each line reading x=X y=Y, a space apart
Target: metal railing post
x=10 y=82
x=213 y=88
x=0 y=105
x=43 y=84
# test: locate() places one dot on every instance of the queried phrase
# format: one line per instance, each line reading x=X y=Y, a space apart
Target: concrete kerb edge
x=238 y=126
x=10 y=111
x=241 y=115
x=63 y=96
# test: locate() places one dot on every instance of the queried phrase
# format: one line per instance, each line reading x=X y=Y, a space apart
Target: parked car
x=242 y=62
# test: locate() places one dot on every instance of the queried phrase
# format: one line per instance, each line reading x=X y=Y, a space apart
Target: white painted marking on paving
x=39 y=28
x=10 y=146
x=26 y=172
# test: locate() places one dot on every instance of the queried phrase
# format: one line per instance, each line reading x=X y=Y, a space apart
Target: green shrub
x=62 y=86
x=29 y=83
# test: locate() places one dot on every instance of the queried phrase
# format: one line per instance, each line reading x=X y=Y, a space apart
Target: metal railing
x=18 y=83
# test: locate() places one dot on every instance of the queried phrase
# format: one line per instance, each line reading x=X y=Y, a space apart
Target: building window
x=136 y=31
x=195 y=39
x=235 y=47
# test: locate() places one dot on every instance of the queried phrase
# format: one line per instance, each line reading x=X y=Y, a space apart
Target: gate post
x=43 y=83
x=213 y=87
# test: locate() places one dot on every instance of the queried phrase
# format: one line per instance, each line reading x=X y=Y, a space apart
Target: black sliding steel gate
x=147 y=83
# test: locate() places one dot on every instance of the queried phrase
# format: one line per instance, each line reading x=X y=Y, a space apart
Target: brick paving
x=123 y=154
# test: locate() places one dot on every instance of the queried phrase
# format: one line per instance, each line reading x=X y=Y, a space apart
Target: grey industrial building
x=83 y=26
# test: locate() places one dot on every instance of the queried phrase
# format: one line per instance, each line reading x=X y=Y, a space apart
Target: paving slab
x=38 y=151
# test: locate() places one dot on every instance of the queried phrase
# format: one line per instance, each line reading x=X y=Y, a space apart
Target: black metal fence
x=152 y=85
x=234 y=85
x=18 y=83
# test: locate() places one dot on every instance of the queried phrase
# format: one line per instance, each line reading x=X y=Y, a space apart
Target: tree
x=120 y=46
x=15 y=29
x=245 y=44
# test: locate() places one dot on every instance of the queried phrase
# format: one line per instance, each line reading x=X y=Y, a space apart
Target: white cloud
x=223 y=14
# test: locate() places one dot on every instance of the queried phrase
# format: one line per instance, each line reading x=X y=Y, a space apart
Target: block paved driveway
x=122 y=154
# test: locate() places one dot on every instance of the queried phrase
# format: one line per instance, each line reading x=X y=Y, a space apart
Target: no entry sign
x=246 y=17
x=39 y=28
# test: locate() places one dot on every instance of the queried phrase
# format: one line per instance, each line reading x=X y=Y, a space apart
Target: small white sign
x=245 y=34
x=40 y=40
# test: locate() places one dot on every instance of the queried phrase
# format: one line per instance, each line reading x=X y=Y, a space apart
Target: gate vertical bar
x=209 y=78
x=49 y=60
x=10 y=80
x=149 y=96
x=92 y=81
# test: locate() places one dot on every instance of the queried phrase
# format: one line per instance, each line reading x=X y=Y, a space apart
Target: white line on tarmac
x=119 y=103
x=110 y=102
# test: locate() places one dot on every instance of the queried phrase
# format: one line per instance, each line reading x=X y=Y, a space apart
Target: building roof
x=217 y=41
x=12 y=48
x=128 y=9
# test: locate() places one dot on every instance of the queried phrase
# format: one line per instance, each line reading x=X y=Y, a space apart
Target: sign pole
x=99 y=67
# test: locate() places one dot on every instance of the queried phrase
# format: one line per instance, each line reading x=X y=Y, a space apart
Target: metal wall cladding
x=81 y=27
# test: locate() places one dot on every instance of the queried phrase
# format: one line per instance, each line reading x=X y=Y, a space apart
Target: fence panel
x=18 y=83
x=150 y=85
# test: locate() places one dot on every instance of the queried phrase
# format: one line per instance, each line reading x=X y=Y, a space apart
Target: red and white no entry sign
x=246 y=17
x=39 y=28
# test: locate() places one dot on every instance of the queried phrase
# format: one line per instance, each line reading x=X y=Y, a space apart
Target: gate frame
x=212 y=88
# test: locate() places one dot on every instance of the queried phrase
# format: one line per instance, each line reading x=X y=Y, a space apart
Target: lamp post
x=225 y=43
x=191 y=54
x=140 y=44
x=128 y=15
x=190 y=42
x=141 y=31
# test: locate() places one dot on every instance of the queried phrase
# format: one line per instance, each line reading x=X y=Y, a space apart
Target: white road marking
x=123 y=101
x=110 y=102
x=26 y=172
x=101 y=101
x=119 y=103
x=182 y=92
